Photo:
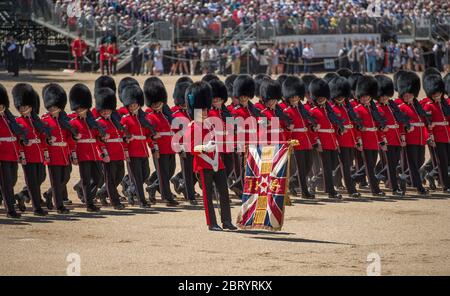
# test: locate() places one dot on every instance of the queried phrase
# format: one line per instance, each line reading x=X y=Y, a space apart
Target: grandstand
x=214 y=21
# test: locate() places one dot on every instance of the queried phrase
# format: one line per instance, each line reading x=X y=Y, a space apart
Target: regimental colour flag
x=265 y=182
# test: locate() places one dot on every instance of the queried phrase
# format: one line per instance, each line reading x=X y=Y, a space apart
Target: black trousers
x=346 y=157
x=64 y=193
x=34 y=177
x=91 y=179
x=188 y=176
x=329 y=161
x=139 y=171
x=304 y=162
x=59 y=176
x=416 y=158
x=114 y=171
x=135 y=66
x=227 y=159
x=370 y=157
x=393 y=154
x=208 y=178
x=443 y=152
x=166 y=166
x=8 y=178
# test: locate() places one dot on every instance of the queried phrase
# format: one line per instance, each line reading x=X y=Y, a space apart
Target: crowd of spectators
x=220 y=17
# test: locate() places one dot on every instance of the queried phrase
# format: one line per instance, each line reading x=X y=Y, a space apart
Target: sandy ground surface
x=410 y=235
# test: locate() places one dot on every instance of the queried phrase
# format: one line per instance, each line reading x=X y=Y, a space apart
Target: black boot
x=48 y=200
x=13 y=215
x=92 y=208
x=334 y=195
x=229 y=226
x=215 y=227
x=63 y=211
x=175 y=180
x=20 y=203
x=40 y=212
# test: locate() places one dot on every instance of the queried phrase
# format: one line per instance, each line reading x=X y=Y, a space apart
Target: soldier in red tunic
x=438 y=109
x=394 y=136
x=340 y=92
x=325 y=140
x=408 y=85
x=369 y=142
x=184 y=181
x=293 y=90
x=115 y=144
x=11 y=137
x=141 y=133
x=59 y=164
x=155 y=98
x=87 y=153
x=207 y=160
x=35 y=152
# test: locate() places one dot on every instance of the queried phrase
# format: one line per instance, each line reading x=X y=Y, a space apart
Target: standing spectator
x=79 y=49
x=438 y=50
x=275 y=60
x=419 y=60
x=182 y=54
x=223 y=53
x=104 y=57
x=371 y=57
x=410 y=52
x=308 y=55
x=204 y=59
x=194 y=56
x=404 y=57
x=361 y=57
x=254 y=59
x=235 y=53
x=298 y=51
x=113 y=52
x=28 y=53
x=343 y=56
x=268 y=55
x=213 y=58
x=447 y=57
x=4 y=52
x=397 y=58
x=135 y=59
x=380 y=58
x=391 y=56
x=353 y=58
x=158 y=60
x=148 y=60
x=290 y=59
x=281 y=58
x=13 y=53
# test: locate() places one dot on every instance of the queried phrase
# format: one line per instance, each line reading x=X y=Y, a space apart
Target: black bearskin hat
x=4 y=99
x=219 y=90
x=179 y=92
x=307 y=79
x=259 y=78
x=270 y=90
x=367 y=86
x=132 y=94
x=198 y=96
x=433 y=83
x=385 y=86
x=24 y=95
x=229 y=84
x=105 y=98
x=124 y=83
x=293 y=87
x=344 y=72
x=339 y=88
x=105 y=81
x=244 y=86
x=318 y=88
x=154 y=91
x=80 y=97
x=54 y=95
x=408 y=82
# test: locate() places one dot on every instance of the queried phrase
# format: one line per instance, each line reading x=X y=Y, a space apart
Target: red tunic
x=419 y=135
x=78 y=47
x=113 y=51
x=260 y=105
x=440 y=129
x=393 y=134
x=137 y=147
x=115 y=144
x=300 y=131
x=63 y=144
x=348 y=139
x=34 y=151
x=425 y=101
x=163 y=127
x=369 y=136
x=9 y=144
x=326 y=133
x=123 y=111
x=199 y=162
x=274 y=132
x=103 y=53
x=249 y=129
x=87 y=147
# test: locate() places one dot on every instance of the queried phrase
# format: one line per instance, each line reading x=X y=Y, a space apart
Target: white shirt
x=308 y=53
